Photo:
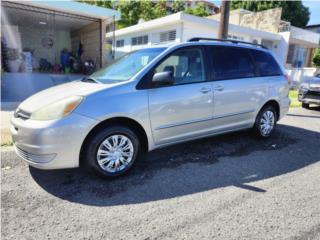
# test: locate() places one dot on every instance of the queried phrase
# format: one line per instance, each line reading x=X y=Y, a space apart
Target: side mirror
x=162 y=78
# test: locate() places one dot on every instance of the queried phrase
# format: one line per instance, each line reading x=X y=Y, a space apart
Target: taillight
x=288 y=79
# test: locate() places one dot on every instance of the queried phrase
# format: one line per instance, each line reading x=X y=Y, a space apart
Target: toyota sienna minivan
x=148 y=99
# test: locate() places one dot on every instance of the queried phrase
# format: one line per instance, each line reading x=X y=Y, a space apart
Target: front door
x=182 y=110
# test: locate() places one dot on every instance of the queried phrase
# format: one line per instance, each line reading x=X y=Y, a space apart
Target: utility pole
x=113 y=37
x=224 y=19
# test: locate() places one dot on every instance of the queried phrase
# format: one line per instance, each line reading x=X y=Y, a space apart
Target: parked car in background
x=148 y=99
x=309 y=92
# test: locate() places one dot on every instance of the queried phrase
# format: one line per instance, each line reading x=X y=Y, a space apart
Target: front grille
x=21 y=114
x=36 y=158
x=313 y=95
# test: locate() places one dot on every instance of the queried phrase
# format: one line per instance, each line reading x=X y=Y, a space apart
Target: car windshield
x=126 y=67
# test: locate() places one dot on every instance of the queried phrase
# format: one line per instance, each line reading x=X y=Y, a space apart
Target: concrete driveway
x=226 y=187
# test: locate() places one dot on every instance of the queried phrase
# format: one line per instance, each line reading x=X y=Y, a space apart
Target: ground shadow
x=188 y=168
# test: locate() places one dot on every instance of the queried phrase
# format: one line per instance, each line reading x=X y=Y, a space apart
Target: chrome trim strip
x=234 y=114
x=202 y=120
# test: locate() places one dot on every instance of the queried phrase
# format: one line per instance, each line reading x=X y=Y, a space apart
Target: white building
x=180 y=27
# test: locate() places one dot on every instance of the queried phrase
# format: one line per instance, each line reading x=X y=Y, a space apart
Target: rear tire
x=305 y=105
x=111 y=152
x=265 y=122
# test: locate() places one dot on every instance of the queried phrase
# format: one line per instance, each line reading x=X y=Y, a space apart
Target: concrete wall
x=30 y=37
x=191 y=30
x=281 y=51
x=90 y=37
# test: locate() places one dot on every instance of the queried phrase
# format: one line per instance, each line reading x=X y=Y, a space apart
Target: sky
x=314 y=8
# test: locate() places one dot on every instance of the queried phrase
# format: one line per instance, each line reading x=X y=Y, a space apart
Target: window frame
x=212 y=66
x=146 y=81
x=121 y=41
x=135 y=40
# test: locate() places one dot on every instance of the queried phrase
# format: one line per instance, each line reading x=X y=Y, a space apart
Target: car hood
x=59 y=92
x=312 y=84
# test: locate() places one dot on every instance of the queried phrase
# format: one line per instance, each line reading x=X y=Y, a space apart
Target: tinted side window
x=266 y=64
x=186 y=65
x=232 y=62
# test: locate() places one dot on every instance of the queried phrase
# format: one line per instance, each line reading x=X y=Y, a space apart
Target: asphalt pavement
x=226 y=187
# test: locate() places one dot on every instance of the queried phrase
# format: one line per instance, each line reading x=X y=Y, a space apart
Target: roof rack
x=198 y=39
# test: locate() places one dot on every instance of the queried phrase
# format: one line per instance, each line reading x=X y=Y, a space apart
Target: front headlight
x=57 y=109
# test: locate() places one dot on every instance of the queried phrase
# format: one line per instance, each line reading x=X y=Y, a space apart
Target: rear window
x=265 y=63
x=232 y=62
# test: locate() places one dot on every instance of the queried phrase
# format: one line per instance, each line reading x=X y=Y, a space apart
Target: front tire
x=265 y=122
x=305 y=105
x=112 y=151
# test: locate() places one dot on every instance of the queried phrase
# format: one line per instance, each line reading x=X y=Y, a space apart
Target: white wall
x=283 y=45
x=152 y=38
x=32 y=38
x=191 y=30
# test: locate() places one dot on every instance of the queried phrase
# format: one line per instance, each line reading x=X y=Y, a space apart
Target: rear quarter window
x=265 y=63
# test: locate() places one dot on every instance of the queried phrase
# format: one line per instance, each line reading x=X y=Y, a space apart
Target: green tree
x=316 y=57
x=147 y=10
x=177 y=6
x=199 y=10
x=292 y=11
x=100 y=3
x=130 y=13
x=160 y=9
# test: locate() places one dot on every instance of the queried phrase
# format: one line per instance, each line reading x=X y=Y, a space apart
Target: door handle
x=219 y=88
x=205 y=90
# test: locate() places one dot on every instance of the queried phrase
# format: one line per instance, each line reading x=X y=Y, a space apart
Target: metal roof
x=71 y=7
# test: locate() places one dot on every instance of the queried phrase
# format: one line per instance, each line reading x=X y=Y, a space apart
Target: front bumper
x=309 y=96
x=51 y=144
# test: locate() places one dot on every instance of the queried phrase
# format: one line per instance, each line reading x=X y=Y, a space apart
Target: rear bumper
x=51 y=144
x=284 y=107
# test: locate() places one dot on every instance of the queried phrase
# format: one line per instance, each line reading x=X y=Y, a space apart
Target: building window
x=141 y=40
x=168 y=36
x=120 y=43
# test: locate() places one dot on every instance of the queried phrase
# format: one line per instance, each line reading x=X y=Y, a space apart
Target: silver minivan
x=149 y=99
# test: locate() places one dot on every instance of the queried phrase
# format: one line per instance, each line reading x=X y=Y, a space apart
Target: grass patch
x=293 y=95
x=6 y=139
x=7 y=144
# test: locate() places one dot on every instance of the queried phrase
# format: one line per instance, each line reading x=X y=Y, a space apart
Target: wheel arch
x=122 y=121
x=274 y=103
